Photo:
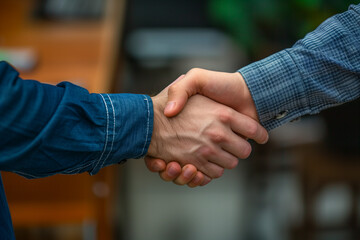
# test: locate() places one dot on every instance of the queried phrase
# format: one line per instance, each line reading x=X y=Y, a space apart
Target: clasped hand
x=195 y=140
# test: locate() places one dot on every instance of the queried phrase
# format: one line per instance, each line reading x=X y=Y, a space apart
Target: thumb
x=178 y=94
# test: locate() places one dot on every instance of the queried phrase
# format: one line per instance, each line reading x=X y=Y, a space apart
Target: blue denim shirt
x=45 y=130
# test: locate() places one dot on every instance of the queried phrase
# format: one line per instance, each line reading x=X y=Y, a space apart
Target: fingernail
x=206 y=181
x=156 y=167
x=172 y=172
x=267 y=139
x=187 y=173
x=169 y=106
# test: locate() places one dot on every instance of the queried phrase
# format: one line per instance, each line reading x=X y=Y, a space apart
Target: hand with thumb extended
x=227 y=88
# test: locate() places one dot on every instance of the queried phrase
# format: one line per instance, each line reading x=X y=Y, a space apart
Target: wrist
x=248 y=105
x=158 y=125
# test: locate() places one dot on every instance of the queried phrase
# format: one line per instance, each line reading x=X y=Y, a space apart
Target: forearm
x=320 y=71
x=48 y=129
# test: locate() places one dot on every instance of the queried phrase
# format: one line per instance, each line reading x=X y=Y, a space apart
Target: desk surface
x=83 y=52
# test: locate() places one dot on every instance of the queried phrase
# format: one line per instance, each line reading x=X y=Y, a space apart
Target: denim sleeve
x=48 y=129
x=320 y=71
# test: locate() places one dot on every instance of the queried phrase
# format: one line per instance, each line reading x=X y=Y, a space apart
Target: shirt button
x=281 y=115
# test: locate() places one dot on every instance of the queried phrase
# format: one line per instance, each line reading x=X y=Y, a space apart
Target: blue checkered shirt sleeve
x=320 y=71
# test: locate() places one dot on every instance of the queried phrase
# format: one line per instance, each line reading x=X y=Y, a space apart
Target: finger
x=178 y=94
x=187 y=175
x=206 y=181
x=227 y=160
x=248 y=127
x=172 y=171
x=223 y=157
x=197 y=180
x=212 y=170
x=216 y=156
x=155 y=164
x=234 y=147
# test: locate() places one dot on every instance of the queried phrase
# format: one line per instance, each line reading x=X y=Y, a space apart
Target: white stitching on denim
x=107 y=131
x=113 y=139
x=147 y=126
x=85 y=165
x=25 y=174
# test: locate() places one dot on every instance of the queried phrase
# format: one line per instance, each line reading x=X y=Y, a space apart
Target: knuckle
x=224 y=115
x=206 y=152
x=252 y=130
x=217 y=136
x=194 y=71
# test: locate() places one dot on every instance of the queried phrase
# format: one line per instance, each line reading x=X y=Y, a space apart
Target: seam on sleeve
x=78 y=169
x=113 y=138
x=27 y=175
x=147 y=127
x=107 y=133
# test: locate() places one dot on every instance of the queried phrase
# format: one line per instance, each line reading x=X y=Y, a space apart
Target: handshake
x=202 y=123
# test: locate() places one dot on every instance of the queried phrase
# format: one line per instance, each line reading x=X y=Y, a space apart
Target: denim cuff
x=128 y=128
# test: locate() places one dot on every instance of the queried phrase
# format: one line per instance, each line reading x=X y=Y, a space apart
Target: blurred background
x=304 y=184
